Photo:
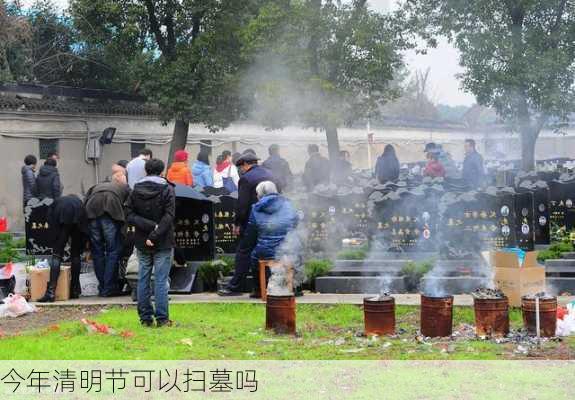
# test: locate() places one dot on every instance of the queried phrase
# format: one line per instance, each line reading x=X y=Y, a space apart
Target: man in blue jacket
x=251 y=175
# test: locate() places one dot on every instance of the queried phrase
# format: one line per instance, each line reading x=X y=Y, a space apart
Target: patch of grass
x=236 y=331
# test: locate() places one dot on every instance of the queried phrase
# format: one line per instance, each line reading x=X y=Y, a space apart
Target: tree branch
x=155 y=26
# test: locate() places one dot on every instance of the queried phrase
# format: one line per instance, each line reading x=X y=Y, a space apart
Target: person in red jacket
x=179 y=172
x=434 y=168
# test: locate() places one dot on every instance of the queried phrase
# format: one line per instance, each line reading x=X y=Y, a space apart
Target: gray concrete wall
x=19 y=133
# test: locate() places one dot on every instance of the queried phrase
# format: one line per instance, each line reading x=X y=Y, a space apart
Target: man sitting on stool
x=270 y=221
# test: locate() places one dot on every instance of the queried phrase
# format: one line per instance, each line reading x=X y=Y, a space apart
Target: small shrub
x=413 y=272
x=555 y=251
x=352 y=255
x=315 y=268
x=210 y=271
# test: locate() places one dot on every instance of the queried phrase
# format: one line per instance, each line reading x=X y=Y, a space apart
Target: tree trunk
x=528 y=141
x=332 y=144
x=179 y=138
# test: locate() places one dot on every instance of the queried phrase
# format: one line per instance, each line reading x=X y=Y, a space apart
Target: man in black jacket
x=48 y=181
x=151 y=210
x=317 y=168
x=105 y=211
x=279 y=167
x=472 y=166
x=28 y=178
x=251 y=175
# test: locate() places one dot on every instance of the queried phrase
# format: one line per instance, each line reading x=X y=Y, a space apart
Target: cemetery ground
x=235 y=331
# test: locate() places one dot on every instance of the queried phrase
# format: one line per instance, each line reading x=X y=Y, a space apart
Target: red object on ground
x=3 y=224
x=96 y=327
x=561 y=312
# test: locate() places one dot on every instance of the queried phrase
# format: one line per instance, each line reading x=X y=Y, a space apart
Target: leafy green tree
x=14 y=34
x=518 y=57
x=185 y=55
x=323 y=64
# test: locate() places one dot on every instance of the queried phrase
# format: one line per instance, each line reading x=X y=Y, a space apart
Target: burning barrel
x=436 y=316
x=547 y=315
x=491 y=317
x=280 y=314
x=379 y=315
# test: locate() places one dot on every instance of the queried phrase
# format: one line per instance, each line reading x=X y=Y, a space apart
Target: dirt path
x=46 y=316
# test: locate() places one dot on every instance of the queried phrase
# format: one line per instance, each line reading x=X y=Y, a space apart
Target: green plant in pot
x=210 y=271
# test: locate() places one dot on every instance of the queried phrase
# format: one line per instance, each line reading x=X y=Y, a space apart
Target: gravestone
x=224 y=215
x=562 y=205
x=322 y=216
x=524 y=234
x=194 y=229
x=39 y=233
x=541 y=216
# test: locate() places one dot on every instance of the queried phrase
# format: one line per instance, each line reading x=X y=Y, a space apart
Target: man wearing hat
x=251 y=175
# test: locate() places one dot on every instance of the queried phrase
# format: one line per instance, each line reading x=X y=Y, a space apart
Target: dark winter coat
x=473 y=170
x=48 y=183
x=280 y=170
x=151 y=208
x=317 y=171
x=68 y=210
x=342 y=172
x=271 y=219
x=107 y=199
x=247 y=196
x=387 y=169
x=28 y=183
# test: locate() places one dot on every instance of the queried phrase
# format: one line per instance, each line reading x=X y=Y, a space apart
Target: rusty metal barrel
x=280 y=314
x=379 y=315
x=436 y=316
x=491 y=317
x=547 y=315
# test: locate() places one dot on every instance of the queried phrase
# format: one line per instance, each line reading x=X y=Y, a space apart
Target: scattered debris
x=188 y=342
x=95 y=327
x=486 y=293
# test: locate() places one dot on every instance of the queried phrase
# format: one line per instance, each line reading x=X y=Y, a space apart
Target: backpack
x=229 y=182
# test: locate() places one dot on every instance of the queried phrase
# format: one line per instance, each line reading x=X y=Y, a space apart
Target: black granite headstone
x=39 y=233
x=562 y=205
x=194 y=229
x=524 y=233
x=224 y=215
x=541 y=216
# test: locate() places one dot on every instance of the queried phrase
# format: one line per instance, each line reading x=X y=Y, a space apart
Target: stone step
x=357 y=284
x=568 y=255
x=370 y=271
x=560 y=263
x=561 y=285
x=388 y=255
x=370 y=263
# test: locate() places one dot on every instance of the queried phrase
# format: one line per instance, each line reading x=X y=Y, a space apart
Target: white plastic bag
x=566 y=326
x=15 y=306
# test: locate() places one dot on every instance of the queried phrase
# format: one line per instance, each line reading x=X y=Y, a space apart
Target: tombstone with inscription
x=194 y=225
x=322 y=217
x=354 y=215
x=224 y=215
x=541 y=216
x=562 y=205
x=524 y=221
x=39 y=232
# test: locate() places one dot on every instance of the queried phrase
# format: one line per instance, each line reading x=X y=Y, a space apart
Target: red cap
x=181 y=155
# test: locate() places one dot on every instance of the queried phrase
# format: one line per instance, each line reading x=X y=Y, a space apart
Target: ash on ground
x=486 y=293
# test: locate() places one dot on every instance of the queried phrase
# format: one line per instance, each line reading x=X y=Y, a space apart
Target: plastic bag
x=566 y=325
x=15 y=306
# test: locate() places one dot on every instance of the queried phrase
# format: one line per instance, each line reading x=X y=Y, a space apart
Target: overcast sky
x=443 y=62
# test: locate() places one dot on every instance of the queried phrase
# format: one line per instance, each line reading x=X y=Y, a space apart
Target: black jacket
x=342 y=172
x=317 y=171
x=107 y=199
x=48 y=183
x=151 y=208
x=68 y=210
x=473 y=170
x=280 y=170
x=28 y=183
x=247 y=196
x=387 y=169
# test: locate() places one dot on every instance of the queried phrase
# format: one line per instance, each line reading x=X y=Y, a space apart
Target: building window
x=206 y=146
x=136 y=147
x=48 y=147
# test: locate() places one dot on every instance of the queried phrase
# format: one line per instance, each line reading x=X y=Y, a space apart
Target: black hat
x=430 y=147
x=247 y=158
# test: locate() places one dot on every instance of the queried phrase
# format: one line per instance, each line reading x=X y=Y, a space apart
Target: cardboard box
x=39 y=281
x=517 y=280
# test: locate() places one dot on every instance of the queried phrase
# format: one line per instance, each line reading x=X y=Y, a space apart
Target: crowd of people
x=139 y=195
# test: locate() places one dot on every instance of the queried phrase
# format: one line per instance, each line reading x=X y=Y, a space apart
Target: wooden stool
x=263 y=264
